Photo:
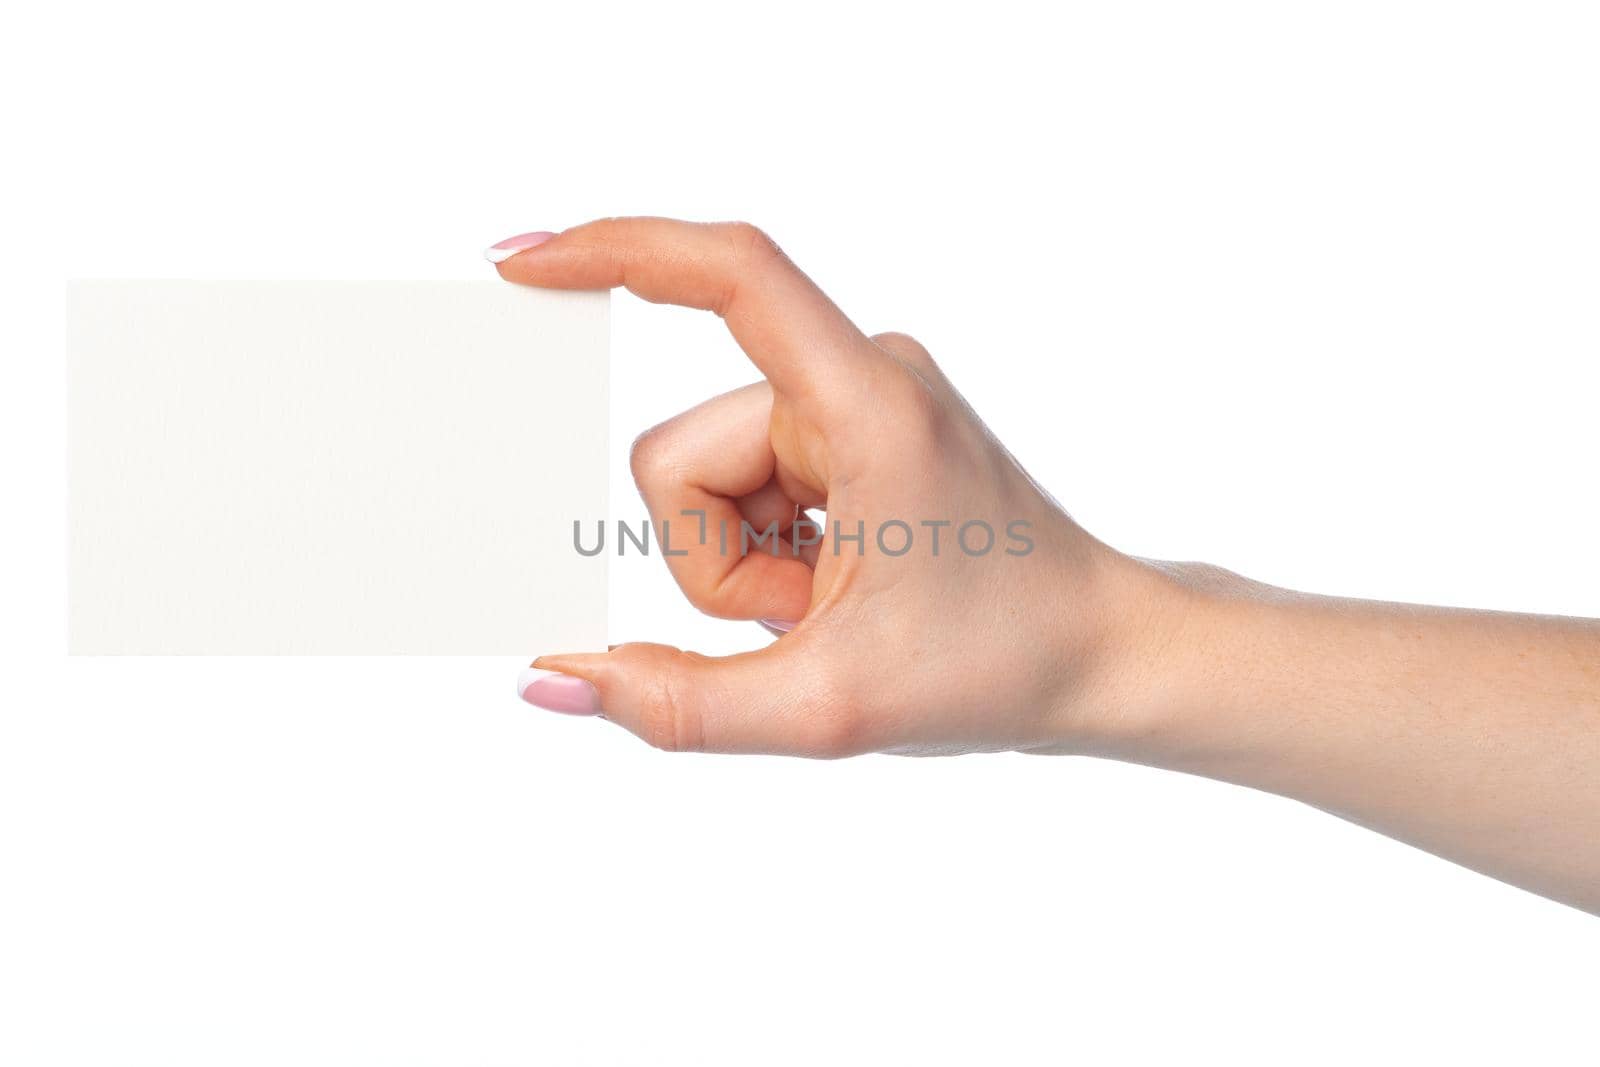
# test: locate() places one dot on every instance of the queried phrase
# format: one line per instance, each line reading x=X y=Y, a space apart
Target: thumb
x=773 y=700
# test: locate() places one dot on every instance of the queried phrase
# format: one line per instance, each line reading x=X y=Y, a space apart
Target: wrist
x=1168 y=649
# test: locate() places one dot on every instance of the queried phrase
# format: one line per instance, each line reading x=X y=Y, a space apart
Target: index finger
x=788 y=327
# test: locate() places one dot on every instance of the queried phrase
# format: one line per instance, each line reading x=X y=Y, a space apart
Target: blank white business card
x=334 y=468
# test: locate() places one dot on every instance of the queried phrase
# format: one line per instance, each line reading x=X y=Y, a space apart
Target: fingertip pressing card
x=334 y=468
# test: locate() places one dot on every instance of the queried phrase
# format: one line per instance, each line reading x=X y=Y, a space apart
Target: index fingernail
x=504 y=250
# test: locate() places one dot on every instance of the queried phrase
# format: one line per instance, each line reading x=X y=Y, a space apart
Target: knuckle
x=836 y=724
x=750 y=252
x=717 y=599
x=901 y=344
x=912 y=356
x=751 y=244
x=649 y=457
x=665 y=721
x=836 y=734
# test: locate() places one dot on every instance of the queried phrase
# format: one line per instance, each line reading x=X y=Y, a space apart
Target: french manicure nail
x=504 y=250
x=558 y=692
x=779 y=625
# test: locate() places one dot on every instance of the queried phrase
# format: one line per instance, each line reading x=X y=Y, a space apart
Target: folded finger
x=707 y=479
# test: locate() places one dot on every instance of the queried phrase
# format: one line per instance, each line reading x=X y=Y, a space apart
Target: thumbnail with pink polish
x=558 y=692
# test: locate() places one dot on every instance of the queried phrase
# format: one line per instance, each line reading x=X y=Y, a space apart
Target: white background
x=1305 y=290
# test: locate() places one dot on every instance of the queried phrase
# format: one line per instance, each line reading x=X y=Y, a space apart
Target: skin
x=1474 y=735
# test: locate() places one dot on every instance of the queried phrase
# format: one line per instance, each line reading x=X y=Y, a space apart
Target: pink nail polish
x=779 y=625
x=499 y=253
x=558 y=692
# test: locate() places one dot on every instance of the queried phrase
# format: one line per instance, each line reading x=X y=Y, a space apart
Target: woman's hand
x=1473 y=734
x=946 y=603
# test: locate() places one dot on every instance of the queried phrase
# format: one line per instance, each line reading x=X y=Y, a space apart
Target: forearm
x=1475 y=735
